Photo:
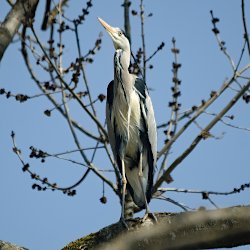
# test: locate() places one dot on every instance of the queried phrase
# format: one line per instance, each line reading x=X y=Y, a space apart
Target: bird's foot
x=149 y=215
x=124 y=223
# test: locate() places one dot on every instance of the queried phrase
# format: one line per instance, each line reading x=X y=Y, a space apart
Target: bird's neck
x=122 y=60
x=122 y=77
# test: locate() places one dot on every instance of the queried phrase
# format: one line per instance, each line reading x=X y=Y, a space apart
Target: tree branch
x=246 y=36
x=202 y=135
x=48 y=95
x=92 y=116
x=126 y=5
x=13 y=20
x=228 y=227
x=143 y=40
x=202 y=108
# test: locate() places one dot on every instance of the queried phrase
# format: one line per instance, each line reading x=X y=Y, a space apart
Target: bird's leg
x=141 y=183
x=148 y=213
x=124 y=183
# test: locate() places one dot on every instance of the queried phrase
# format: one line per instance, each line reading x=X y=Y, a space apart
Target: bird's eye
x=119 y=33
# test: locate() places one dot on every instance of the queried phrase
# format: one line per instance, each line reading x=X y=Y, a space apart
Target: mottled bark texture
x=8 y=246
x=22 y=10
x=203 y=229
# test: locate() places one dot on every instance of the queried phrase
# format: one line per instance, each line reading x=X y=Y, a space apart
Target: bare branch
x=246 y=36
x=201 y=109
x=50 y=15
x=227 y=123
x=220 y=42
x=92 y=116
x=49 y=96
x=173 y=104
x=11 y=2
x=201 y=136
x=46 y=15
x=82 y=68
x=53 y=186
x=126 y=5
x=159 y=48
x=204 y=193
x=143 y=40
x=8 y=28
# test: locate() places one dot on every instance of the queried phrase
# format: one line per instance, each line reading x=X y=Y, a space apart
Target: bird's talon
x=151 y=215
x=123 y=221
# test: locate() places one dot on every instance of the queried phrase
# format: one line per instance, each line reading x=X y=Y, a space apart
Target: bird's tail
x=137 y=191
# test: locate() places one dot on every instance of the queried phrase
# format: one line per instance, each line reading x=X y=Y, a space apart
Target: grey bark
x=9 y=27
x=8 y=246
x=126 y=5
x=228 y=227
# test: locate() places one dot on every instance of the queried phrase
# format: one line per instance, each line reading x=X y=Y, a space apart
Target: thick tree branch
x=13 y=20
x=9 y=246
x=228 y=227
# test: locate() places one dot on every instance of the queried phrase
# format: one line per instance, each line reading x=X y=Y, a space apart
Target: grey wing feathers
x=148 y=115
x=151 y=124
x=150 y=137
x=147 y=131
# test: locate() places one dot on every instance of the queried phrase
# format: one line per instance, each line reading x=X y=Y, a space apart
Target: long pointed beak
x=107 y=27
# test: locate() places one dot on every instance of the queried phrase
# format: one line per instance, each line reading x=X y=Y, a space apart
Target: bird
x=131 y=125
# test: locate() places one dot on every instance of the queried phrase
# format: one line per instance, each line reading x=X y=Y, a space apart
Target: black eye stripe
x=120 y=32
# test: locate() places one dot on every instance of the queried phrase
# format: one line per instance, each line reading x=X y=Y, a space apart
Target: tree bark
x=203 y=229
x=13 y=20
x=8 y=246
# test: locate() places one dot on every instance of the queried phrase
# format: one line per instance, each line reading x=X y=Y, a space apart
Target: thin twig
x=173 y=121
x=74 y=151
x=196 y=141
x=156 y=51
x=95 y=170
x=201 y=109
x=220 y=42
x=246 y=36
x=182 y=206
x=92 y=116
x=241 y=55
x=32 y=174
x=83 y=69
x=90 y=98
x=48 y=95
x=227 y=123
x=193 y=191
x=143 y=40
x=66 y=109
x=205 y=194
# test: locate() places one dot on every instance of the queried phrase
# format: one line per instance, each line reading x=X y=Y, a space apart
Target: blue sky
x=50 y=220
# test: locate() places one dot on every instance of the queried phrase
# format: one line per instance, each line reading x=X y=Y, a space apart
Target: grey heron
x=131 y=125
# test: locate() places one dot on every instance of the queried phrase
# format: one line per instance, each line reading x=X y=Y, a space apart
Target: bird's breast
x=126 y=113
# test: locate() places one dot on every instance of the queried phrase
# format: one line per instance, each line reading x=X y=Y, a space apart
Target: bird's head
x=118 y=37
